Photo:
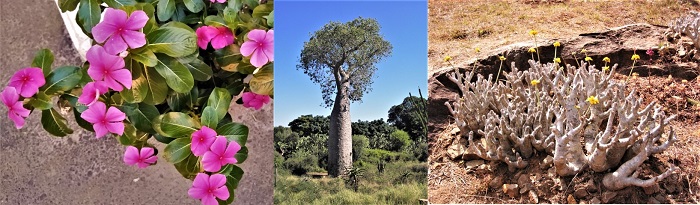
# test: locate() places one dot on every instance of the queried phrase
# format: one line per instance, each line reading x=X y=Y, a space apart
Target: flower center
x=260 y=44
x=221 y=157
x=25 y=78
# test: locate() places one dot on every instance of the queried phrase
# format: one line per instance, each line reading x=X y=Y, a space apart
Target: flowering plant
x=162 y=69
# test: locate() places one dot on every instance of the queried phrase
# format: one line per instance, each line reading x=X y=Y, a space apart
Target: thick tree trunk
x=340 y=136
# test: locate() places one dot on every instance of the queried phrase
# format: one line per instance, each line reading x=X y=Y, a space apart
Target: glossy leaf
x=119 y=3
x=229 y=57
x=139 y=84
x=262 y=10
x=189 y=167
x=271 y=19
x=166 y=9
x=142 y=116
x=68 y=5
x=62 y=79
x=176 y=75
x=178 y=101
x=175 y=125
x=219 y=100
x=242 y=155
x=178 y=150
x=41 y=101
x=145 y=56
x=195 y=6
x=263 y=81
x=54 y=123
x=234 y=132
x=89 y=14
x=157 y=88
x=174 y=39
x=43 y=59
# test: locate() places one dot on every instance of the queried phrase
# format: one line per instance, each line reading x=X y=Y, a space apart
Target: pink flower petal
x=142 y=165
x=123 y=76
x=201 y=181
x=102 y=31
x=220 y=42
x=202 y=140
x=248 y=48
x=27 y=81
x=131 y=155
x=269 y=45
x=137 y=20
x=258 y=59
x=114 y=115
x=221 y=193
x=19 y=109
x=115 y=127
x=210 y=162
x=209 y=200
x=134 y=39
x=146 y=152
x=257 y=35
x=9 y=96
x=19 y=121
x=197 y=193
x=94 y=113
x=217 y=180
x=115 y=45
x=115 y=17
x=91 y=92
x=100 y=130
x=151 y=159
x=219 y=146
x=232 y=149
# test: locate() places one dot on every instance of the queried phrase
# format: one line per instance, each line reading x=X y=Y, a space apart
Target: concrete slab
x=36 y=168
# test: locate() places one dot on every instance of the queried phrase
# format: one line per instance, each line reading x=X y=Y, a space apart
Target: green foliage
x=411 y=116
x=301 y=162
x=307 y=125
x=43 y=59
x=377 y=131
x=285 y=140
x=398 y=140
x=351 y=50
x=359 y=144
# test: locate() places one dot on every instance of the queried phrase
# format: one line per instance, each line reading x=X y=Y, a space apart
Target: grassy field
x=400 y=183
x=457 y=27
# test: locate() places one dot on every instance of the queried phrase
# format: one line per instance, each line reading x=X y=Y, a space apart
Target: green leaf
x=209 y=117
x=195 y=6
x=233 y=174
x=173 y=40
x=229 y=57
x=43 y=59
x=179 y=14
x=214 y=21
x=175 y=125
x=41 y=101
x=68 y=5
x=132 y=136
x=242 y=155
x=81 y=122
x=142 y=116
x=89 y=14
x=176 y=75
x=235 y=5
x=119 y=3
x=62 y=79
x=145 y=56
x=200 y=70
x=178 y=101
x=271 y=19
x=157 y=88
x=162 y=139
x=189 y=167
x=178 y=150
x=230 y=16
x=139 y=84
x=165 y=9
x=219 y=100
x=263 y=81
x=234 y=132
x=54 y=123
x=262 y=10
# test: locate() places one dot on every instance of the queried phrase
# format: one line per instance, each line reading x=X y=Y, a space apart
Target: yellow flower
x=557 y=60
x=573 y=53
x=592 y=100
x=578 y=107
x=606 y=68
x=606 y=59
x=534 y=82
x=635 y=57
x=556 y=44
x=588 y=58
x=533 y=32
x=583 y=50
x=531 y=50
x=501 y=58
x=448 y=58
x=478 y=49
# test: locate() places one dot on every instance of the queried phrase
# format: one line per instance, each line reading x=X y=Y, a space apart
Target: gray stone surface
x=36 y=168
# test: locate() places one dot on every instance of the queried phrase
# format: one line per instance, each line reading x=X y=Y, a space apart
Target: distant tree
x=398 y=140
x=307 y=125
x=342 y=58
x=359 y=144
x=377 y=131
x=285 y=140
x=411 y=116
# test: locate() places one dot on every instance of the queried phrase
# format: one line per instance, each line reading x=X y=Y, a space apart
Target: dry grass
x=457 y=27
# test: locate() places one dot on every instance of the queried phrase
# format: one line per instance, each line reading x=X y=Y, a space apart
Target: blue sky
x=403 y=24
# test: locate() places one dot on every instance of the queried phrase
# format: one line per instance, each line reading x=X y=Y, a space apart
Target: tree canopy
x=342 y=53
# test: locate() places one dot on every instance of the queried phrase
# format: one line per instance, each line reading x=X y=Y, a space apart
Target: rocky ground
x=37 y=168
x=669 y=77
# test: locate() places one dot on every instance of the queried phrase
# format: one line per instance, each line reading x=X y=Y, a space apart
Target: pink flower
x=202 y=140
x=103 y=120
x=27 y=81
x=650 y=52
x=142 y=159
x=15 y=109
x=108 y=68
x=92 y=91
x=119 y=32
x=208 y=188
x=253 y=100
x=220 y=37
x=220 y=1
x=261 y=46
x=220 y=155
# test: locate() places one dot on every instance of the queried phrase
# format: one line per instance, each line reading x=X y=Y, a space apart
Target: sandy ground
x=36 y=168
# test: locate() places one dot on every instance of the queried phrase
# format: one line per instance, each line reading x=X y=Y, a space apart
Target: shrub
x=399 y=140
x=359 y=144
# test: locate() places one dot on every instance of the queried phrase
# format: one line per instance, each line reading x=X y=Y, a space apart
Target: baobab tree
x=342 y=59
